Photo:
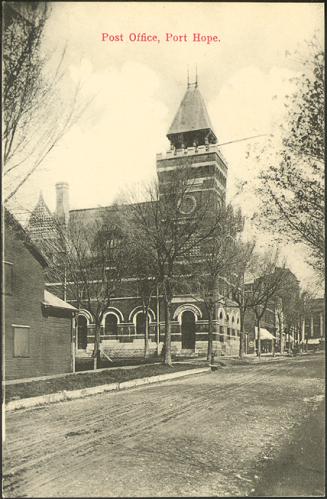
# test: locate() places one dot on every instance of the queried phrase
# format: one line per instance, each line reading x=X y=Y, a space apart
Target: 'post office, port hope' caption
x=155 y=38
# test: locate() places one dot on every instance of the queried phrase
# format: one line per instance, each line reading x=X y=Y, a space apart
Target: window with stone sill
x=111 y=325
x=21 y=339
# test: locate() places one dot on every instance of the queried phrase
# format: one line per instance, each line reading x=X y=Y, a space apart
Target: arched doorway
x=81 y=332
x=140 y=323
x=188 y=330
x=111 y=324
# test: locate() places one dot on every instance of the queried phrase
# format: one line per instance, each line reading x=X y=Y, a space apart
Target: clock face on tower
x=187 y=205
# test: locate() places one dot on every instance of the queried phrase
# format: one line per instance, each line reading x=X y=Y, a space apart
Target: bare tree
x=292 y=177
x=306 y=308
x=254 y=283
x=290 y=308
x=219 y=254
x=270 y=282
x=171 y=235
x=244 y=262
x=141 y=267
x=34 y=116
x=88 y=258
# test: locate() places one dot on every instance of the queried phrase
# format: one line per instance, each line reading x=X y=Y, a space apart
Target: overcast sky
x=137 y=87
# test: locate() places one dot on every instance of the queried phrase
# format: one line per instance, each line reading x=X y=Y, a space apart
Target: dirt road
x=208 y=435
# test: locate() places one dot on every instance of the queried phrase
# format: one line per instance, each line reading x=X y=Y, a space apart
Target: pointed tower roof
x=41 y=220
x=192 y=114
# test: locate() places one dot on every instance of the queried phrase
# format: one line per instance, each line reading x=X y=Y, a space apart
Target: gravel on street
x=214 y=434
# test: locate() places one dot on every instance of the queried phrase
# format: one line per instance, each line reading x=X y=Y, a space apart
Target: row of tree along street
x=150 y=241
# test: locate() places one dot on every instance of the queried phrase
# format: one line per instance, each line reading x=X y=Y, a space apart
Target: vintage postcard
x=163 y=210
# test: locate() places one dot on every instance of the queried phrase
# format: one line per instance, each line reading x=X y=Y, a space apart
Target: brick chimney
x=62 y=205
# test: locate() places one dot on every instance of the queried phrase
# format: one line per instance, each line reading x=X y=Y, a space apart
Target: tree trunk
x=281 y=337
x=96 y=351
x=209 y=353
x=158 y=324
x=146 y=333
x=241 y=350
x=167 y=345
x=259 y=339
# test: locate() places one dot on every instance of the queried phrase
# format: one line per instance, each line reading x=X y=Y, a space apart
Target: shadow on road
x=300 y=468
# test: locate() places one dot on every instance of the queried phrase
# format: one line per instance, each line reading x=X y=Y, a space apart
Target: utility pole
x=242 y=332
x=158 y=322
x=73 y=339
x=259 y=339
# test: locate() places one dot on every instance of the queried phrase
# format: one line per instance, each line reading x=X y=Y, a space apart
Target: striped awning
x=264 y=334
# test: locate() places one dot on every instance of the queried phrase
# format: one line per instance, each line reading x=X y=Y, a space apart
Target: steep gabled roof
x=41 y=218
x=20 y=233
x=191 y=115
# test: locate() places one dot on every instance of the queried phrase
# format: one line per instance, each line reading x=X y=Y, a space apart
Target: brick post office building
x=193 y=144
x=37 y=326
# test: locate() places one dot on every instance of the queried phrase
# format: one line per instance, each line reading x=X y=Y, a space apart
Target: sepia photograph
x=163 y=249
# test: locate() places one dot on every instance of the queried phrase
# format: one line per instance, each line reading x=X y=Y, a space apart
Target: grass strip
x=86 y=380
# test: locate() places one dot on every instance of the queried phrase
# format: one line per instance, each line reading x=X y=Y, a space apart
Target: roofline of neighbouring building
x=11 y=221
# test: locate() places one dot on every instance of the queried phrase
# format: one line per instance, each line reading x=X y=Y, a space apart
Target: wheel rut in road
x=66 y=436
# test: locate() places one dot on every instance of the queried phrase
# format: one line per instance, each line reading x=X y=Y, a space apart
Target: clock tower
x=194 y=145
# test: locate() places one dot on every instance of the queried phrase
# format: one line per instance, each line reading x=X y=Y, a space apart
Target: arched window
x=81 y=332
x=233 y=319
x=227 y=317
x=111 y=324
x=140 y=323
x=220 y=315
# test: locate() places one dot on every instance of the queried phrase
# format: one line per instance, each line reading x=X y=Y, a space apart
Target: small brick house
x=37 y=325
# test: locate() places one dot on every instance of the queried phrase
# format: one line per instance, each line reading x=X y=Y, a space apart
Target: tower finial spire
x=196 y=75
x=188 y=77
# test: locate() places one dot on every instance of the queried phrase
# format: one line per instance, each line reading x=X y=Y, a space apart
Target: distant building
x=193 y=143
x=37 y=326
x=280 y=324
x=313 y=325
x=269 y=331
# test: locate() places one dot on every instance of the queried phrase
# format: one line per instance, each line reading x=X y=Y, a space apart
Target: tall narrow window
x=21 y=341
x=140 y=323
x=81 y=332
x=111 y=324
x=8 y=278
